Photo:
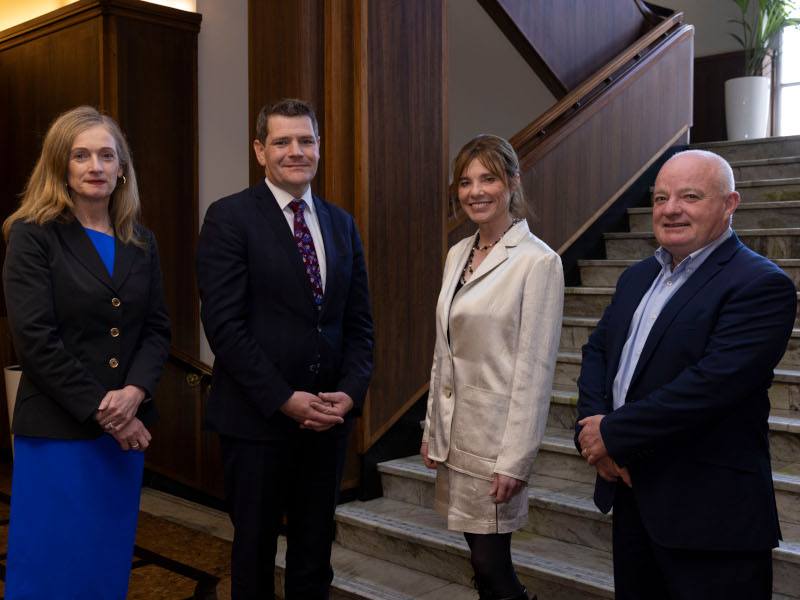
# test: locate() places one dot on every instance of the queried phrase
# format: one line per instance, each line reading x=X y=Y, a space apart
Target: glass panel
x=790 y=57
x=789 y=121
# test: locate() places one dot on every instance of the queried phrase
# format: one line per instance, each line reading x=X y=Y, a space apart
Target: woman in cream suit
x=498 y=323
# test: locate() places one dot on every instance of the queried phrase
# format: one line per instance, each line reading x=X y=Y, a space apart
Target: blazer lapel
x=449 y=284
x=712 y=265
x=124 y=257
x=79 y=244
x=331 y=257
x=268 y=207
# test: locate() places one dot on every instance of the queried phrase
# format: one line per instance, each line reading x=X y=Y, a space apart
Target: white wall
x=710 y=19
x=222 y=99
x=491 y=89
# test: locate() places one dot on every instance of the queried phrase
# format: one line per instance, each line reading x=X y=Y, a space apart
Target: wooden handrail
x=575 y=98
x=188 y=362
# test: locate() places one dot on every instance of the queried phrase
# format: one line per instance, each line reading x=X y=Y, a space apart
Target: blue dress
x=81 y=497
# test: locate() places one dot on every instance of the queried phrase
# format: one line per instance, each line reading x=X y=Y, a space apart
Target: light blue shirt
x=653 y=302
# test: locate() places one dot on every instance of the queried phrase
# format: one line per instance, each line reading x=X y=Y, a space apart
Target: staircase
x=397 y=548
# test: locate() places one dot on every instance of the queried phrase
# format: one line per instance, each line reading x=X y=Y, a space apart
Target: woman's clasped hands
x=117 y=416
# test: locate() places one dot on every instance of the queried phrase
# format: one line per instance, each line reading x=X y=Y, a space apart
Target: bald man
x=673 y=401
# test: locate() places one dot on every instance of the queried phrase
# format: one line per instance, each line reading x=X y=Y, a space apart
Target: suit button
x=116 y=302
x=113 y=363
x=114 y=332
x=314 y=368
x=319 y=329
x=448 y=392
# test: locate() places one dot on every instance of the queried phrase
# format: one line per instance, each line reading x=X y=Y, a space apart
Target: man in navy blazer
x=285 y=307
x=673 y=403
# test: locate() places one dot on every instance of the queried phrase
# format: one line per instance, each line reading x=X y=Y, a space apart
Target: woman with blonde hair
x=498 y=321
x=86 y=312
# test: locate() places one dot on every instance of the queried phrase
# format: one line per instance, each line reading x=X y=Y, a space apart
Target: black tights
x=491 y=561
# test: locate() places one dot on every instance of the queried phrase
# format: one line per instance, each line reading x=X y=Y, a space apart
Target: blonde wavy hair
x=46 y=196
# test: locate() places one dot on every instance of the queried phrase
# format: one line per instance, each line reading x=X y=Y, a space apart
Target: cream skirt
x=465 y=502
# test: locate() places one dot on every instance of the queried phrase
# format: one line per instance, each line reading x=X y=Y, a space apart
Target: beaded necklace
x=468 y=267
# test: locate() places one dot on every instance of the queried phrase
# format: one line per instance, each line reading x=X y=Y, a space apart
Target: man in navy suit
x=285 y=307
x=673 y=403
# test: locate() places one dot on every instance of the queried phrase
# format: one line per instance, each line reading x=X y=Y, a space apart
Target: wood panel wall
x=574 y=175
x=375 y=74
x=565 y=45
x=137 y=62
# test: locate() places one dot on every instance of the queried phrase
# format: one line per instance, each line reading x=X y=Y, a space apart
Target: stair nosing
x=743 y=206
x=633 y=235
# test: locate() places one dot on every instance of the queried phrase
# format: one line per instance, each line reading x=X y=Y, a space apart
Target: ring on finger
x=134 y=444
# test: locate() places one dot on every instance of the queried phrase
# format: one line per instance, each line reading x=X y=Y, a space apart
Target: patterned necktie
x=305 y=244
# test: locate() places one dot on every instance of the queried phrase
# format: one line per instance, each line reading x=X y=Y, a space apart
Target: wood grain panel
x=566 y=45
x=571 y=177
x=407 y=187
x=154 y=86
x=285 y=44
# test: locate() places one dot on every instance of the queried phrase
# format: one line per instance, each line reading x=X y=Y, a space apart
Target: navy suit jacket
x=268 y=336
x=693 y=430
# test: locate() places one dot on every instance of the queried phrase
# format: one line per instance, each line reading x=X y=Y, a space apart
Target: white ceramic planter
x=747 y=107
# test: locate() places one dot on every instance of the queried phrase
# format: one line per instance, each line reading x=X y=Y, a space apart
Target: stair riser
x=574 y=337
x=450 y=564
x=782 y=395
x=595 y=276
x=770 y=193
x=563 y=466
x=766 y=218
x=771 y=246
x=593 y=305
x=770 y=148
x=543 y=519
x=784 y=445
x=767 y=171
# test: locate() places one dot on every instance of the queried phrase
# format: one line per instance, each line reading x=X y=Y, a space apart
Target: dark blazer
x=268 y=337
x=77 y=331
x=693 y=431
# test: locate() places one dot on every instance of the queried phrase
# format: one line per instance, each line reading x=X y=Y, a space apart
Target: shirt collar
x=284 y=198
x=664 y=257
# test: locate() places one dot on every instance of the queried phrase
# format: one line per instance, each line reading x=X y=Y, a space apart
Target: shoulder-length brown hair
x=46 y=197
x=497 y=155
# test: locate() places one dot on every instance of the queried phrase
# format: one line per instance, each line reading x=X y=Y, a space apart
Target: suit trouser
x=264 y=480
x=643 y=570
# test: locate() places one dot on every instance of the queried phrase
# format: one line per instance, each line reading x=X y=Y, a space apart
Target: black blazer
x=694 y=430
x=268 y=337
x=79 y=333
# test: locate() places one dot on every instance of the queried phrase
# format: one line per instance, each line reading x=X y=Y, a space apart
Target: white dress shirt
x=310 y=214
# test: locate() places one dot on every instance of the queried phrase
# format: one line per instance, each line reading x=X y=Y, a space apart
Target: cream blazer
x=491 y=383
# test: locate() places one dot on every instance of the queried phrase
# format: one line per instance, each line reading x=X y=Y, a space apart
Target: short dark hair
x=288 y=107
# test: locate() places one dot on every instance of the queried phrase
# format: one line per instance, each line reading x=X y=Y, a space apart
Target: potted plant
x=747 y=99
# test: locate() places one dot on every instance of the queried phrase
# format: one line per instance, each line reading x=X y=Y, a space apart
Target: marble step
x=575 y=332
x=558 y=458
x=416 y=537
x=769 y=190
x=766 y=168
x=607 y=272
x=363 y=577
x=772 y=243
x=558 y=508
x=585 y=301
x=757 y=148
x=784 y=393
x=751 y=215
